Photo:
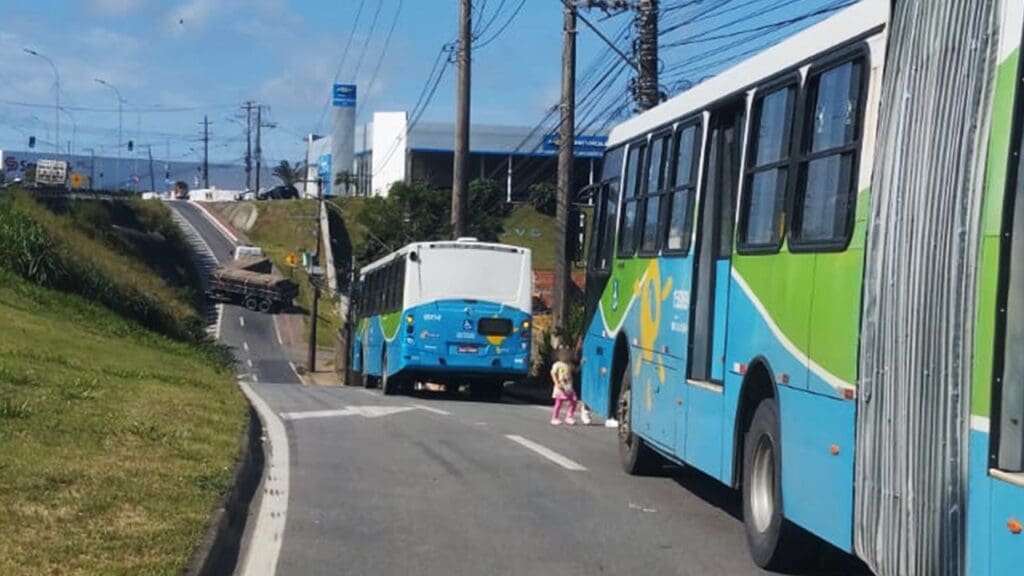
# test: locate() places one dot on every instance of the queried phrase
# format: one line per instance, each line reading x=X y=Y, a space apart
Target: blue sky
x=173 y=61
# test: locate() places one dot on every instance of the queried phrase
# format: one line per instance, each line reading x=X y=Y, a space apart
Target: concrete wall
x=390 y=148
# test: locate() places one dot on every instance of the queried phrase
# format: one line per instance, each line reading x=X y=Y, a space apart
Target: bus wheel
x=634 y=454
x=266 y=305
x=769 y=535
x=251 y=303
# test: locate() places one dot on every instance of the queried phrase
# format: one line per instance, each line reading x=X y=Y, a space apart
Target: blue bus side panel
x=704 y=430
x=597 y=369
x=979 y=507
x=817 y=486
x=723 y=280
x=992 y=549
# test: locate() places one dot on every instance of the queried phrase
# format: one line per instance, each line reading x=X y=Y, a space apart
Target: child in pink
x=561 y=377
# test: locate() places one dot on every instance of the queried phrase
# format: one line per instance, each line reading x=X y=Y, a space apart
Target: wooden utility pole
x=460 y=184
x=646 y=91
x=206 y=152
x=314 y=279
x=566 y=140
x=248 y=145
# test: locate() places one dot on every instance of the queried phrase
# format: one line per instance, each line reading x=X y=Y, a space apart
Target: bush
x=544 y=198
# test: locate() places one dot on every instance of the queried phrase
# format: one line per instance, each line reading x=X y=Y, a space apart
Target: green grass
x=115 y=442
x=285 y=226
x=530 y=229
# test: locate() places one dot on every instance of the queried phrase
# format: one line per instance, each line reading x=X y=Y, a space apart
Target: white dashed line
x=277 y=332
x=547 y=453
x=248 y=362
x=245 y=345
x=241 y=321
x=431 y=409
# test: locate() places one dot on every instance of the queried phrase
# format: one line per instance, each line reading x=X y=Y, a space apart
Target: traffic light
x=131 y=146
x=31 y=141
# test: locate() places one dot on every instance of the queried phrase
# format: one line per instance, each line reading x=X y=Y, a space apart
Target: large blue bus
x=807 y=281
x=449 y=313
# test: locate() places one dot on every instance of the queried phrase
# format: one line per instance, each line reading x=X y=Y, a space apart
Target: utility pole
x=566 y=140
x=206 y=152
x=460 y=186
x=314 y=317
x=645 y=90
x=259 y=149
x=248 y=145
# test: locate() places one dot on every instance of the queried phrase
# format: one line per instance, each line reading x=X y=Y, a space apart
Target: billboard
x=343 y=97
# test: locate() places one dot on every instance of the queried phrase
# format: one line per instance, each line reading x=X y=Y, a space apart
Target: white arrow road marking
x=547 y=453
x=364 y=411
x=434 y=410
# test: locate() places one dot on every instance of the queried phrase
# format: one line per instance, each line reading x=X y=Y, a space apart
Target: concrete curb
x=218 y=551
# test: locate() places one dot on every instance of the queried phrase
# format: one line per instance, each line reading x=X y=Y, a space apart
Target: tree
x=486 y=211
x=544 y=198
x=345 y=179
x=287 y=173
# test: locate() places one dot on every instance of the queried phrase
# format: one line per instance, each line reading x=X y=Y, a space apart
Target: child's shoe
x=570 y=421
x=556 y=422
x=585 y=417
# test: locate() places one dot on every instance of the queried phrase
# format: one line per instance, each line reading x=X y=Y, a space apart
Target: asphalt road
x=439 y=486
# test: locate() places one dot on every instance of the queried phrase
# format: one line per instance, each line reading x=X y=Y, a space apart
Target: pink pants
x=562 y=398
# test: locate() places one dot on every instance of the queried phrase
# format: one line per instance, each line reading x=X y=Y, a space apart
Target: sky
x=174 y=61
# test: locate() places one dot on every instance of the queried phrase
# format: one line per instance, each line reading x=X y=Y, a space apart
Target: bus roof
x=853 y=22
x=463 y=243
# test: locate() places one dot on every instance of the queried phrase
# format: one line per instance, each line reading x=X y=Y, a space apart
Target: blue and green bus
x=806 y=280
x=449 y=313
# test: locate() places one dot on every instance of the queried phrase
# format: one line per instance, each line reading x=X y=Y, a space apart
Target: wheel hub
x=762 y=484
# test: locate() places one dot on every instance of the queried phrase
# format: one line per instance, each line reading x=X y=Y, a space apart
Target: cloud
x=114 y=7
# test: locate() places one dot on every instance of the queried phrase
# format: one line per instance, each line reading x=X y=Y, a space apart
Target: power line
x=503 y=27
x=383 y=53
x=341 y=61
x=366 y=44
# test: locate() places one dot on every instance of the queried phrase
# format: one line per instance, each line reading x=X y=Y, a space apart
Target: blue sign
x=344 y=96
x=323 y=170
x=584 y=145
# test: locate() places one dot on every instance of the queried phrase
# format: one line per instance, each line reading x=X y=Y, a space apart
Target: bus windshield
x=488 y=274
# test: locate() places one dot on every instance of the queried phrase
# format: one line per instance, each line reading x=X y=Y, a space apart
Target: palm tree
x=287 y=173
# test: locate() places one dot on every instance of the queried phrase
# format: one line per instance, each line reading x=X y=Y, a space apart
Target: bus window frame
x=599 y=229
x=1013 y=193
x=642 y=143
x=668 y=152
x=792 y=140
x=697 y=123
x=820 y=65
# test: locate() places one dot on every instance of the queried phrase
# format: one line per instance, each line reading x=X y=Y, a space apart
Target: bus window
x=627 y=232
x=654 y=191
x=608 y=213
x=1011 y=396
x=761 y=216
x=824 y=203
x=679 y=203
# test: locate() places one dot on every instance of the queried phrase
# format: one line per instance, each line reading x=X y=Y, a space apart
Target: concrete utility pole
x=259 y=149
x=248 y=145
x=645 y=91
x=206 y=152
x=460 y=185
x=315 y=312
x=566 y=140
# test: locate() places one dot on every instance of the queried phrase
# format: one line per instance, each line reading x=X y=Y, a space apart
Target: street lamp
x=56 y=111
x=74 y=130
x=120 y=101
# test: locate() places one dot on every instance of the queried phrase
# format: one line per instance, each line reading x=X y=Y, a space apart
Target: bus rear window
x=495 y=326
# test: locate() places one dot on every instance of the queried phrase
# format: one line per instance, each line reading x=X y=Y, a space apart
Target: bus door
x=710 y=291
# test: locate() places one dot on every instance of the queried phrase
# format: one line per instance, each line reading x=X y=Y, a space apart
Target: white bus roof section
x=851 y=23
x=461 y=243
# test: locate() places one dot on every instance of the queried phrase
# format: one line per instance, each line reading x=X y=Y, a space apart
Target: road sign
x=292 y=259
x=586 y=146
x=344 y=96
x=51 y=172
x=77 y=181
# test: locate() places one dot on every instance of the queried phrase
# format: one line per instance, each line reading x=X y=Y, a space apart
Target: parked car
x=279 y=193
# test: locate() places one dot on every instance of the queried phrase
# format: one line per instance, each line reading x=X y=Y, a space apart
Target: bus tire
x=388 y=384
x=251 y=303
x=636 y=457
x=770 y=537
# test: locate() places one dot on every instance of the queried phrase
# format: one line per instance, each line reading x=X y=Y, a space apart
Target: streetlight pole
x=56 y=110
x=120 y=102
x=74 y=131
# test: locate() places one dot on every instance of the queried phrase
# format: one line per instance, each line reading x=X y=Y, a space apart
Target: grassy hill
x=119 y=423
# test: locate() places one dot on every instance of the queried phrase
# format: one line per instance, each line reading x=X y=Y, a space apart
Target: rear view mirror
x=575 y=235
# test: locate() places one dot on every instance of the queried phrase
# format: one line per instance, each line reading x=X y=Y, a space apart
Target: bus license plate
x=468 y=349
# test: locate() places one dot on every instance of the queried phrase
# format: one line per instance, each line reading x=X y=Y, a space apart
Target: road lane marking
x=547 y=453
x=260 y=557
x=277 y=332
x=296 y=372
x=245 y=345
x=248 y=362
x=431 y=409
x=364 y=411
x=216 y=223
x=241 y=321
